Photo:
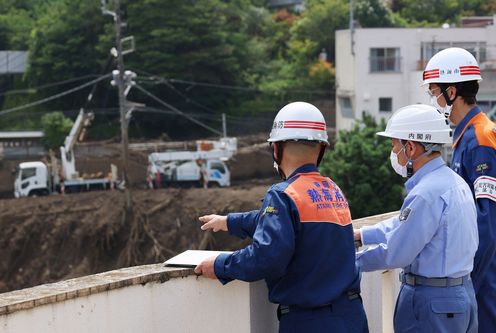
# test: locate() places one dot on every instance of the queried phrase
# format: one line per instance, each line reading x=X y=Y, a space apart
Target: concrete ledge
x=371 y=220
x=28 y=298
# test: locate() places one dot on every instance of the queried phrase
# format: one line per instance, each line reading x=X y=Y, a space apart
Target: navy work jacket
x=302 y=242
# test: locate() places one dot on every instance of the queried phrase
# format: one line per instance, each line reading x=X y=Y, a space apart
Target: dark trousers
x=341 y=316
x=486 y=301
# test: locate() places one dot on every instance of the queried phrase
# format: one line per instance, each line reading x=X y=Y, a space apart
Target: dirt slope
x=59 y=237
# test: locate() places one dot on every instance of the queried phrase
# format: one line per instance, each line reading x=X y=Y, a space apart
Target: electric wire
x=47 y=99
x=161 y=79
x=54 y=84
x=170 y=107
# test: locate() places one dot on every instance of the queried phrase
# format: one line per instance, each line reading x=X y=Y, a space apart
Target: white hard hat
x=451 y=65
x=299 y=121
x=418 y=122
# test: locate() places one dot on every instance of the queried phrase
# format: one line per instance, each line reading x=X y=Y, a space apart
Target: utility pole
x=122 y=105
x=224 y=125
x=119 y=81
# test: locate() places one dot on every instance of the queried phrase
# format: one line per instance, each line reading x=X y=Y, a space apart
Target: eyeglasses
x=431 y=93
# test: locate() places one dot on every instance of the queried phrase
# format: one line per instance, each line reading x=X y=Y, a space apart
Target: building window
x=428 y=49
x=346 y=108
x=385 y=60
x=385 y=104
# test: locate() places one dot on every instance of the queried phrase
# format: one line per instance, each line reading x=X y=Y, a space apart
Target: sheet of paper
x=191 y=258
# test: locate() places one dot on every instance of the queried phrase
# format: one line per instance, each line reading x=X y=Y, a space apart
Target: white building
x=379 y=70
x=13 y=62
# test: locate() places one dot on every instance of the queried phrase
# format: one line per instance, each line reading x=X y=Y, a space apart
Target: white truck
x=38 y=178
x=204 y=167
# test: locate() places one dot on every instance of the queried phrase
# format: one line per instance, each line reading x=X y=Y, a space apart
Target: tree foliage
x=216 y=56
x=375 y=13
x=56 y=127
x=360 y=165
x=435 y=13
x=63 y=45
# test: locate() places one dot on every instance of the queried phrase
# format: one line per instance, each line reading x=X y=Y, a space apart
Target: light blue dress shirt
x=435 y=234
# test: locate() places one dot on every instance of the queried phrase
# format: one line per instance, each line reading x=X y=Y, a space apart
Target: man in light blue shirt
x=434 y=238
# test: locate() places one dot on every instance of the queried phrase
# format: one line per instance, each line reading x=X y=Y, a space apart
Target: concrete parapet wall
x=154 y=298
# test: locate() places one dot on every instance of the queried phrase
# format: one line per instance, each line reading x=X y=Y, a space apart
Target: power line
x=44 y=100
x=188 y=99
x=170 y=107
x=30 y=90
x=159 y=79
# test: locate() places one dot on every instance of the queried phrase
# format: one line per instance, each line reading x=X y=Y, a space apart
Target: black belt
x=417 y=280
x=285 y=309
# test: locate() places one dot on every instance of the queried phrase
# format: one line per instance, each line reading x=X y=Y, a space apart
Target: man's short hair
x=466 y=90
x=433 y=147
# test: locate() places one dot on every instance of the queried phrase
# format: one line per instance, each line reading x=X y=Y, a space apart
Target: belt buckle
x=408 y=279
x=353 y=295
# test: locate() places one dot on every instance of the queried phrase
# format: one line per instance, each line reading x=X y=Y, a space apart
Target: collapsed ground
x=47 y=239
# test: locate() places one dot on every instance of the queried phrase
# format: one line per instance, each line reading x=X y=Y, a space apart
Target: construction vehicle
x=204 y=167
x=38 y=178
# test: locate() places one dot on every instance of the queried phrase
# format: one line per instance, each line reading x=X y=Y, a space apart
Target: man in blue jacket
x=302 y=236
x=434 y=238
x=452 y=75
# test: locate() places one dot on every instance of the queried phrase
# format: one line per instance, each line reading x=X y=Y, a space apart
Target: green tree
x=360 y=165
x=317 y=26
x=17 y=18
x=64 y=44
x=435 y=13
x=374 y=13
x=192 y=40
x=56 y=127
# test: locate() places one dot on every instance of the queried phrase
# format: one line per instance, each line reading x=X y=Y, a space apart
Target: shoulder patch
x=485 y=188
x=404 y=214
x=482 y=167
x=270 y=210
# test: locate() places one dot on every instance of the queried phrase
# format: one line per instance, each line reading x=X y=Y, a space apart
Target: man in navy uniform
x=302 y=236
x=453 y=75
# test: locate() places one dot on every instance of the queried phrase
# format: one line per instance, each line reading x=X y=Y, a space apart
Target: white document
x=191 y=258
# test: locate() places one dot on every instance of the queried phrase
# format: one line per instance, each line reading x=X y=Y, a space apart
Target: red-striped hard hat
x=299 y=121
x=451 y=65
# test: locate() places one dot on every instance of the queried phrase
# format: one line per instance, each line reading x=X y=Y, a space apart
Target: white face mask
x=446 y=110
x=400 y=169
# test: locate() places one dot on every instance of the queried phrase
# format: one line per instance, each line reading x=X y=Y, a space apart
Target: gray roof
x=21 y=134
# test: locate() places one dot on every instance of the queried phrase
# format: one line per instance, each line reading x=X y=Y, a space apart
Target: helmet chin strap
x=277 y=151
x=409 y=164
x=449 y=101
x=321 y=154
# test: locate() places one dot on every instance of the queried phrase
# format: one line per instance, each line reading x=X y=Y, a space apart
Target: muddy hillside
x=47 y=239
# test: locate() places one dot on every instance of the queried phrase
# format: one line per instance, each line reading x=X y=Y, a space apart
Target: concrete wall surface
x=153 y=298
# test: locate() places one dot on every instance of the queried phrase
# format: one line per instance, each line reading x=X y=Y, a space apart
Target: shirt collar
x=459 y=128
x=425 y=169
x=304 y=169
